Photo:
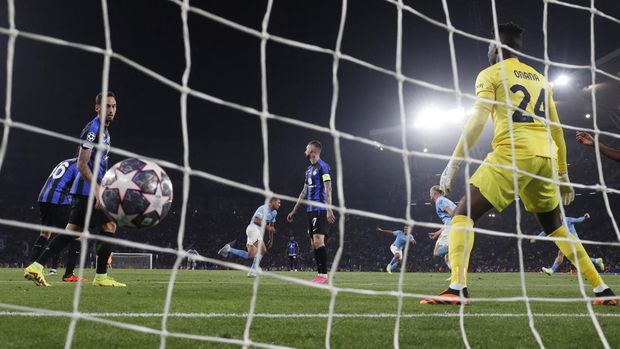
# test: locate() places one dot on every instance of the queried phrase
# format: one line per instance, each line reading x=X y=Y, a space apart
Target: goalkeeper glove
x=566 y=192
x=445 y=182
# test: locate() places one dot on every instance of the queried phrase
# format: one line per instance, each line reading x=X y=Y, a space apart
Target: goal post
x=128 y=260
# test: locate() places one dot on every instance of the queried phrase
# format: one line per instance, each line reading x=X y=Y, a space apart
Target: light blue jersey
x=401 y=239
x=441 y=204
x=264 y=211
x=570 y=223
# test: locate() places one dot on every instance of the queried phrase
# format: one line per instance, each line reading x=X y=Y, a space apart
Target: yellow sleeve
x=485 y=88
x=557 y=133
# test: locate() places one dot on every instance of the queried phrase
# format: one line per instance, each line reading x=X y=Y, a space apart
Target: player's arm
x=541 y=234
x=557 y=134
x=271 y=229
x=471 y=133
x=587 y=139
x=87 y=174
x=328 y=197
x=302 y=195
x=449 y=211
x=435 y=234
x=381 y=230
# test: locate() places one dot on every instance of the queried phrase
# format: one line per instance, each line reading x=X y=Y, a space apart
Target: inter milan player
x=317 y=188
x=570 y=223
x=80 y=191
x=54 y=207
x=292 y=250
x=254 y=243
x=521 y=137
x=444 y=208
x=401 y=238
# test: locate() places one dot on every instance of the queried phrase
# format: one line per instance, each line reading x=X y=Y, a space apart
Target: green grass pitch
x=205 y=293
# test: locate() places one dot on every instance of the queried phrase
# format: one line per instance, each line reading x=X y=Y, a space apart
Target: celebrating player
x=54 y=200
x=402 y=238
x=587 y=139
x=492 y=186
x=255 y=245
x=570 y=223
x=317 y=188
x=80 y=191
x=444 y=208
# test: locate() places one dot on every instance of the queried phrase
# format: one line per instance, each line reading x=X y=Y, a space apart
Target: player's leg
x=103 y=251
x=73 y=256
x=393 y=266
x=317 y=227
x=39 y=245
x=461 y=243
x=551 y=223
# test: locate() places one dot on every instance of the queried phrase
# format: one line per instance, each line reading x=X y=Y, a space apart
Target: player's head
x=110 y=104
x=292 y=238
x=313 y=151
x=435 y=192
x=274 y=203
x=406 y=229
x=510 y=35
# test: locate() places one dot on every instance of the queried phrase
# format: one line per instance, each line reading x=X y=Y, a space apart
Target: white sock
x=38 y=265
x=323 y=275
x=101 y=275
x=457 y=287
x=600 y=288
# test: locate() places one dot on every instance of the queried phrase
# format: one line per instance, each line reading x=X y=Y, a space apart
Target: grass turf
x=489 y=324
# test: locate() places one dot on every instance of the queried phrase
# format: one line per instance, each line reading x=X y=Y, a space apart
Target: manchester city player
x=401 y=238
x=254 y=243
x=444 y=208
x=521 y=93
x=54 y=207
x=570 y=223
x=317 y=188
x=80 y=191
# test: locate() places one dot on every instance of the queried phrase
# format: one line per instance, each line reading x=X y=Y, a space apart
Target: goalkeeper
x=492 y=186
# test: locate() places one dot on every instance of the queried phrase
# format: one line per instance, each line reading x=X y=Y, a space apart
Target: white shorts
x=444 y=238
x=253 y=234
x=395 y=250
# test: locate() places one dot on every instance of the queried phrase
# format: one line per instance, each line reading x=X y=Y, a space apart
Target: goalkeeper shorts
x=496 y=183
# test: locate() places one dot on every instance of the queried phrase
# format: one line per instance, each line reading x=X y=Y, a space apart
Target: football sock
x=239 y=253
x=37 y=248
x=256 y=261
x=555 y=267
x=58 y=242
x=581 y=257
x=593 y=260
x=103 y=250
x=394 y=267
x=393 y=261
x=321 y=259
x=459 y=249
x=72 y=256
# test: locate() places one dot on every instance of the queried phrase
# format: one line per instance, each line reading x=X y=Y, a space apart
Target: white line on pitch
x=268 y=315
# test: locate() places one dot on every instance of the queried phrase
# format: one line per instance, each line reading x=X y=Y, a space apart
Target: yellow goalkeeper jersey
x=526 y=90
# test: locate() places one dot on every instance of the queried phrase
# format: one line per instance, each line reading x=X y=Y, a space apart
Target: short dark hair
x=316 y=144
x=100 y=96
x=272 y=199
x=510 y=34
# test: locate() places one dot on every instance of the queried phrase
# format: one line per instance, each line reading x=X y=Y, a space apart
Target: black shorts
x=78 y=213
x=317 y=223
x=54 y=215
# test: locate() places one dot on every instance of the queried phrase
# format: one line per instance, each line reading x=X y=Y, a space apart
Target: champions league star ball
x=136 y=193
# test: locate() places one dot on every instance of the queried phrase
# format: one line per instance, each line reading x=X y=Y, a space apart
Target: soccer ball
x=136 y=193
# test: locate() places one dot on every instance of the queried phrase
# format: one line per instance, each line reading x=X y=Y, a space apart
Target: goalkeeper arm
x=468 y=138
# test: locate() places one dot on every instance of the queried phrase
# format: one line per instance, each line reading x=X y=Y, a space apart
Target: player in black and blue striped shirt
x=317 y=188
x=54 y=200
x=80 y=191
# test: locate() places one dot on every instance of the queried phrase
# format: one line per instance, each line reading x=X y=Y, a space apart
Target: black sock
x=72 y=256
x=321 y=258
x=37 y=248
x=103 y=250
x=317 y=260
x=55 y=258
x=58 y=242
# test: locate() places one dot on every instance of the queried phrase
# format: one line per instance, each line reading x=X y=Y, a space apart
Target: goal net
x=233 y=132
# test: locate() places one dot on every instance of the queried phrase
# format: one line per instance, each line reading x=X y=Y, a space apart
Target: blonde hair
x=437 y=189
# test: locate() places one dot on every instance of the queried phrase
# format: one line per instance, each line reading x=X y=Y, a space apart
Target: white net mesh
x=265 y=115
